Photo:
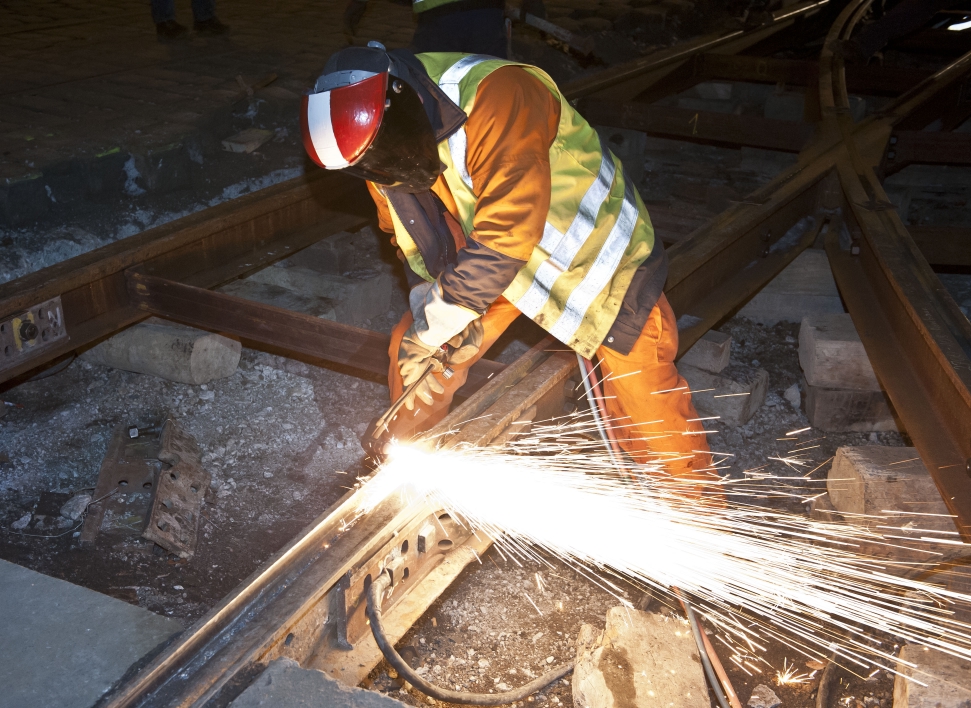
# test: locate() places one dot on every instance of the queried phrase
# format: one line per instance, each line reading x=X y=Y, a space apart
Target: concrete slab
x=65 y=645
x=843 y=410
x=832 y=355
x=285 y=683
x=946 y=680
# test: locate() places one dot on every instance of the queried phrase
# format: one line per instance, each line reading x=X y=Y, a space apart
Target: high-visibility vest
x=597 y=230
x=423 y=5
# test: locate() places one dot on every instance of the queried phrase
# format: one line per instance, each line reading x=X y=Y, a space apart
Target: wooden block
x=248 y=140
x=805 y=287
x=710 y=353
x=734 y=398
x=946 y=679
x=848 y=411
x=888 y=481
x=640 y=660
x=832 y=355
x=169 y=351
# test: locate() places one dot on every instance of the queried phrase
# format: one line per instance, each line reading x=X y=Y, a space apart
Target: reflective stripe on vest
x=597 y=230
x=458 y=143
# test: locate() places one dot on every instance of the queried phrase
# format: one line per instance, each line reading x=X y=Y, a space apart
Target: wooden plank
x=282 y=329
x=700 y=126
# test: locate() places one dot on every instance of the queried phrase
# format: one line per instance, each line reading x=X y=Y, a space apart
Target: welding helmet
x=365 y=117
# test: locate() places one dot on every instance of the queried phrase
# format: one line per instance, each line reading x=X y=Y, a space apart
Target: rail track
x=306 y=603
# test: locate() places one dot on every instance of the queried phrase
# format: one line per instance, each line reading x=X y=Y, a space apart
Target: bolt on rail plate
x=28 y=333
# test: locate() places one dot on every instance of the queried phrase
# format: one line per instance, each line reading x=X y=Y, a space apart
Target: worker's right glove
x=414 y=356
x=352 y=16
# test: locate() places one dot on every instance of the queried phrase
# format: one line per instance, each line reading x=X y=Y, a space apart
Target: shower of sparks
x=790 y=675
x=755 y=573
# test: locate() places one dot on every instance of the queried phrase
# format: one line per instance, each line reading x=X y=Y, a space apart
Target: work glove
x=437 y=323
x=414 y=356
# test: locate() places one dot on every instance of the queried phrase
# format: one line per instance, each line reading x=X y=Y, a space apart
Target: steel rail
x=291 y=606
x=624 y=81
x=917 y=339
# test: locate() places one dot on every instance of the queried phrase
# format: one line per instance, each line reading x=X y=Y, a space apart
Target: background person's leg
x=408 y=423
x=651 y=404
x=163 y=11
x=203 y=10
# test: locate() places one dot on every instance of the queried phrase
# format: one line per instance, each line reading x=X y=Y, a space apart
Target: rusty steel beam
x=624 y=81
x=206 y=249
x=917 y=339
x=699 y=126
x=910 y=147
x=869 y=79
x=295 y=332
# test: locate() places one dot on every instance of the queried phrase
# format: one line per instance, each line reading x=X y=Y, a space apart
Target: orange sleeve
x=510 y=130
x=384 y=214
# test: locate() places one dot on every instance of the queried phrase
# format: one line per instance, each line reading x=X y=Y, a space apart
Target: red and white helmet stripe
x=340 y=124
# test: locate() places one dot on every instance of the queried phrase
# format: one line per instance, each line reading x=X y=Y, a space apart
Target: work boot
x=170 y=29
x=211 y=26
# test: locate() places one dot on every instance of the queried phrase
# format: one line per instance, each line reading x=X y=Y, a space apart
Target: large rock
x=169 y=351
x=805 y=287
x=832 y=355
x=946 y=679
x=640 y=660
x=734 y=398
x=710 y=353
x=285 y=683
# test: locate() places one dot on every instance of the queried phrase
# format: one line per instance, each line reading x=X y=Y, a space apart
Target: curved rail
x=916 y=337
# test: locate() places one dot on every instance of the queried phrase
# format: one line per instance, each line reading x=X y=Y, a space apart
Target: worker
x=473 y=26
x=503 y=200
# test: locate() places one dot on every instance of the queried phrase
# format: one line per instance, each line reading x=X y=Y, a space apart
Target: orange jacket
x=510 y=130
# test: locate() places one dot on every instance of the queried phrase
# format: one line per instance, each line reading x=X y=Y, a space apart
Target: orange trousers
x=655 y=421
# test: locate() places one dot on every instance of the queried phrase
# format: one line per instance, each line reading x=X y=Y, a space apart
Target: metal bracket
x=174 y=519
x=28 y=333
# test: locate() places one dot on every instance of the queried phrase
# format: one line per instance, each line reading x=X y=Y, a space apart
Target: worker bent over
x=503 y=200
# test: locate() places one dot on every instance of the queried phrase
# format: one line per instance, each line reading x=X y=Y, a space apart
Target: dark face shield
x=403 y=154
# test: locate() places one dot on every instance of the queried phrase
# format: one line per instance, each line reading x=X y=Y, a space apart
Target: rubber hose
x=380 y=584
x=705 y=661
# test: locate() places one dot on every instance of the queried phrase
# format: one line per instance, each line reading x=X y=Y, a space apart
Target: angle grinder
x=377 y=438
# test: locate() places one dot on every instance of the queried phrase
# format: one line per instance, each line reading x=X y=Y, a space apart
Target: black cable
x=716 y=685
x=380 y=584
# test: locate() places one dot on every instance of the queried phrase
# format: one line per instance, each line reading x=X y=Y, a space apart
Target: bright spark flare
x=790 y=675
x=752 y=572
